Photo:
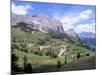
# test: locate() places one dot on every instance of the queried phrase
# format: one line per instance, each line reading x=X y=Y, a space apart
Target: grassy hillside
x=41 y=51
x=84 y=63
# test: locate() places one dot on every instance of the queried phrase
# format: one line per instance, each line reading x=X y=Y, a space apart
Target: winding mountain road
x=62 y=50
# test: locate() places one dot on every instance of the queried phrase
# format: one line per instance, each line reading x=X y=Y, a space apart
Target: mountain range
x=41 y=23
x=89 y=37
x=45 y=24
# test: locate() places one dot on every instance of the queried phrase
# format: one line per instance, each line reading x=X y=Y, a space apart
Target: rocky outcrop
x=71 y=32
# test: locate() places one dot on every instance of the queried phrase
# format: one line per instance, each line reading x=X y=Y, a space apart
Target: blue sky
x=79 y=17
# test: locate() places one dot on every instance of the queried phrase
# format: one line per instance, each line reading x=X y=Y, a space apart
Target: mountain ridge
x=40 y=22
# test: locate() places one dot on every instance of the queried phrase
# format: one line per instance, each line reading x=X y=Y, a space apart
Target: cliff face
x=39 y=22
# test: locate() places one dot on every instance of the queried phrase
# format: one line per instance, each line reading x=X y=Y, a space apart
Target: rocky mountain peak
x=71 y=32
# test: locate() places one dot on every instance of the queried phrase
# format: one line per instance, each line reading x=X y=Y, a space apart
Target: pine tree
x=78 y=55
x=58 y=64
x=25 y=63
x=65 y=59
x=29 y=68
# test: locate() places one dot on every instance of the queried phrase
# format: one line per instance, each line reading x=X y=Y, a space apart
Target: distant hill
x=87 y=34
x=90 y=40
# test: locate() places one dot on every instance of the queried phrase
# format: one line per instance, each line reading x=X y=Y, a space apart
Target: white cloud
x=21 y=9
x=85 y=15
x=71 y=21
x=85 y=28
